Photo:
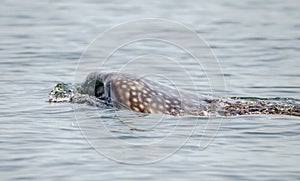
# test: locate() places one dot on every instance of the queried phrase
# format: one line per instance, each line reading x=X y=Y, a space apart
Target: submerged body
x=143 y=95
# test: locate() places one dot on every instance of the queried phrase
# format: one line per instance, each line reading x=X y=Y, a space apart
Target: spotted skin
x=140 y=94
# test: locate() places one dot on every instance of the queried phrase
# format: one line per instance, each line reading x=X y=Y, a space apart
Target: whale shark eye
x=99 y=89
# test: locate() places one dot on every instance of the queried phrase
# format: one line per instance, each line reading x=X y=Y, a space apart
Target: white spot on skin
x=127 y=95
x=133 y=93
x=154 y=105
x=141 y=106
x=148 y=99
x=133 y=88
x=124 y=86
x=136 y=109
x=118 y=83
x=161 y=107
x=134 y=100
x=140 y=97
x=175 y=102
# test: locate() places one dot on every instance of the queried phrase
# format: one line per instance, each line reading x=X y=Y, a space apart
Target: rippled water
x=256 y=42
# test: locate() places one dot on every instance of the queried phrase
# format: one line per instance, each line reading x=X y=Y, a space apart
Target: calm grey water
x=256 y=42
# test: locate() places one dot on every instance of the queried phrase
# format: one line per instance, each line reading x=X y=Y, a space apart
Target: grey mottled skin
x=142 y=95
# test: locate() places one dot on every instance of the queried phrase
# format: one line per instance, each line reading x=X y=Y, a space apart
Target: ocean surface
x=257 y=45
